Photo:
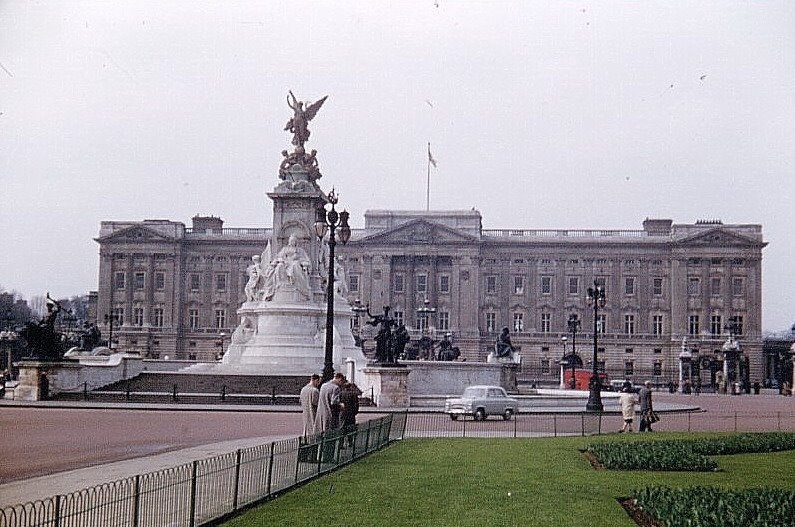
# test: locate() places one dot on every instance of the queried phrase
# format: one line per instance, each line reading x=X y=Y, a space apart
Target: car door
x=496 y=401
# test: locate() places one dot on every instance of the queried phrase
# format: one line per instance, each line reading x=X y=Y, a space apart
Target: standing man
x=328 y=406
x=309 y=400
x=645 y=407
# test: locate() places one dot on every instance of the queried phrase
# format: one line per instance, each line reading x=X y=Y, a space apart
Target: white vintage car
x=481 y=402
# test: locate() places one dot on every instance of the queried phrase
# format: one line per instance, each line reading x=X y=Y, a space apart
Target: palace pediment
x=418 y=231
x=719 y=237
x=135 y=233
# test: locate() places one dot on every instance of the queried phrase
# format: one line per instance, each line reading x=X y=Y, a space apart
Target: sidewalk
x=32 y=489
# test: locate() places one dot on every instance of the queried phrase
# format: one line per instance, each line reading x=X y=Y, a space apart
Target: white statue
x=258 y=278
x=340 y=278
x=291 y=266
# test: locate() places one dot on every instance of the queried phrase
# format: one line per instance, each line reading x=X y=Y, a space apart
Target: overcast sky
x=540 y=114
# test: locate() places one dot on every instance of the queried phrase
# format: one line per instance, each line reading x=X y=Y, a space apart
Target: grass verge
x=495 y=482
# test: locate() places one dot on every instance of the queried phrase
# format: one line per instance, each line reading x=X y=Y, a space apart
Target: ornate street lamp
x=359 y=310
x=330 y=220
x=424 y=313
x=109 y=321
x=596 y=298
x=574 y=325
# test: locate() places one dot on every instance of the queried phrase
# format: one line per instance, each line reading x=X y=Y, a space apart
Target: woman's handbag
x=652 y=417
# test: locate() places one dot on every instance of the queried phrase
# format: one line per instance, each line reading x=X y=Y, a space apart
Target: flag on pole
x=431 y=160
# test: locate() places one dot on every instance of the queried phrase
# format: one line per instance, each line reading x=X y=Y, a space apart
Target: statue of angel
x=297 y=125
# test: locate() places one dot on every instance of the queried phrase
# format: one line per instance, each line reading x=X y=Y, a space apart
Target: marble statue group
x=267 y=276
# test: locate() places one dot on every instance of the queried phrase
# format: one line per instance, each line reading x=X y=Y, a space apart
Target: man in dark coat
x=646 y=408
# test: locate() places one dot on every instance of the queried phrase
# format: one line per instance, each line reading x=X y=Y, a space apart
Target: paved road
x=42 y=440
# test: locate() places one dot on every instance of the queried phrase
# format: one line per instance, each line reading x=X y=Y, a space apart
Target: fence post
x=174 y=393
x=57 y=519
x=223 y=392
x=136 y=499
x=193 y=470
x=127 y=390
x=555 y=425
x=688 y=421
x=85 y=390
x=582 y=425
x=273 y=395
x=270 y=469
x=237 y=479
x=735 y=421
x=778 y=421
x=367 y=442
x=405 y=424
x=464 y=427
x=515 y=419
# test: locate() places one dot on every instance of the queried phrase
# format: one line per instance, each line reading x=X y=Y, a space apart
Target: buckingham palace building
x=674 y=292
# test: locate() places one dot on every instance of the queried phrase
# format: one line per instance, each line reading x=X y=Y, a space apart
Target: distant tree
x=38 y=305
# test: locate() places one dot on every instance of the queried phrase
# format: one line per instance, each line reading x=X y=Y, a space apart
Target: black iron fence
x=205 y=490
x=548 y=424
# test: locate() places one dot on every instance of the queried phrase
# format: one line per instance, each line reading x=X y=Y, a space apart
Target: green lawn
x=465 y=482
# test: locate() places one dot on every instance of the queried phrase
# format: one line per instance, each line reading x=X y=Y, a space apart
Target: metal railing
x=200 y=492
x=549 y=424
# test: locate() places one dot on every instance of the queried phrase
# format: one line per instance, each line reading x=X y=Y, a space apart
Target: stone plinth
x=89 y=372
x=390 y=386
x=450 y=378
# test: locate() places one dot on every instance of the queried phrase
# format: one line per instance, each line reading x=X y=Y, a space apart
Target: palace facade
x=173 y=291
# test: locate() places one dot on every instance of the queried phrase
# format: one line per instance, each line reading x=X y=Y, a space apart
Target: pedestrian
x=646 y=408
x=328 y=405
x=309 y=399
x=627 y=400
x=349 y=399
x=697 y=386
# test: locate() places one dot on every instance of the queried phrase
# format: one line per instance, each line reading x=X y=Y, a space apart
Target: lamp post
x=330 y=220
x=564 y=361
x=359 y=310
x=731 y=350
x=7 y=337
x=574 y=325
x=424 y=313
x=596 y=298
x=109 y=321
x=222 y=336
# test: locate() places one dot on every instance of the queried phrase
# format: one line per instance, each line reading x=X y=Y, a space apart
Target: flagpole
x=428 y=184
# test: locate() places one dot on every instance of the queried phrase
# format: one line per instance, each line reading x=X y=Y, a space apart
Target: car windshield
x=474 y=392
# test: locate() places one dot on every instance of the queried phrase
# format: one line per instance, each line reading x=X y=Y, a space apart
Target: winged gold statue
x=297 y=125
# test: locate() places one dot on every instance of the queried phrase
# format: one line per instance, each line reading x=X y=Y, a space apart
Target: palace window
x=693 y=286
x=398 y=316
x=715 y=326
x=738 y=321
x=398 y=283
x=195 y=282
x=491 y=322
x=657 y=369
x=518 y=321
x=629 y=368
x=629 y=285
x=444 y=283
x=629 y=324
x=353 y=283
x=518 y=285
x=601 y=281
x=140 y=281
x=119 y=281
x=220 y=318
x=574 y=285
x=157 y=317
x=693 y=325
x=160 y=281
x=193 y=318
x=421 y=281
x=601 y=324
x=657 y=324
x=714 y=286
x=491 y=284
x=444 y=321
x=546 y=285
x=546 y=322
x=220 y=283
x=138 y=316
x=657 y=286
x=117 y=314
x=738 y=286
x=544 y=366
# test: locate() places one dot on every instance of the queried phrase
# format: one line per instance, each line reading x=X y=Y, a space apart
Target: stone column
x=389 y=385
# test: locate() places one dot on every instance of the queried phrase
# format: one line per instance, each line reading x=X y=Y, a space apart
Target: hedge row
x=686 y=454
x=713 y=507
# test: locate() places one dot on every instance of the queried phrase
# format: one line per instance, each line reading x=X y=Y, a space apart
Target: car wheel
x=507 y=414
x=480 y=414
x=454 y=417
